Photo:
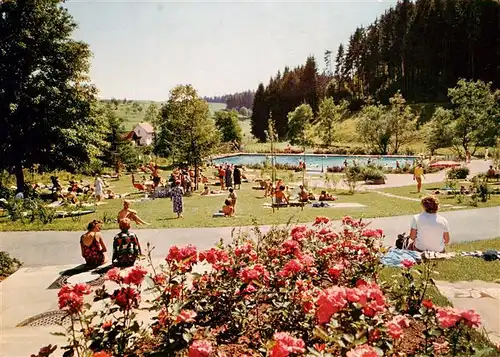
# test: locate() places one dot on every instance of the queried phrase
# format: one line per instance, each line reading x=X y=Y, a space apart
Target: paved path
x=59 y=248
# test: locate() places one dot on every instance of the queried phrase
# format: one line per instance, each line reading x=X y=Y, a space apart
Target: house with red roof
x=142 y=135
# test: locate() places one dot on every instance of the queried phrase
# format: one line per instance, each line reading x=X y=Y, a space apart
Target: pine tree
x=260 y=114
x=308 y=84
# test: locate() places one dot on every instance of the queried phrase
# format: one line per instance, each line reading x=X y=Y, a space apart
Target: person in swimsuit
x=92 y=245
x=233 y=197
x=418 y=175
x=228 y=209
x=129 y=213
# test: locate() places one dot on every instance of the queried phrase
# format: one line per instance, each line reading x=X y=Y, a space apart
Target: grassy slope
x=132 y=113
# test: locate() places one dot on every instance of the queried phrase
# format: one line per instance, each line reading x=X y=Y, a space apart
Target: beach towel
x=321 y=204
x=395 y=257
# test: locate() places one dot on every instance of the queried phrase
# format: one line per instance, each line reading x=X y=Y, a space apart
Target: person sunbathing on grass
x=303 y=194
x=228 y=209
x=280 y=196
x=205 y=192
x=129 y=213
x=324 y=196
x=429 y=231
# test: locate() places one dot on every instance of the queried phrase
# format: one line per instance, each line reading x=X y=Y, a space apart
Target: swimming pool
x=314 y=161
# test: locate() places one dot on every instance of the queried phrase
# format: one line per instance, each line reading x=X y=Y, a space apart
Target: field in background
x=133 y=112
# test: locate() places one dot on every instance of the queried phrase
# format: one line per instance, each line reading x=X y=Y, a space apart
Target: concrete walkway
x=61 y=248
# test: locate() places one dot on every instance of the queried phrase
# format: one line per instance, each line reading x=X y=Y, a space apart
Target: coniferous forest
x=421 y=48
x=235 y=100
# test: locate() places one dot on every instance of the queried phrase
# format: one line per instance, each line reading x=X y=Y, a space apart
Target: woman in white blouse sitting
x=429 y=231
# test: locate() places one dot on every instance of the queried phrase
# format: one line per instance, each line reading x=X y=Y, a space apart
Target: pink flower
x=363 y=351
x=135 y=276
x=447 y=317
x=200 y=348
x=407 y=263
x=107 y=325
x=319 y=346
x=290 y=247
x=401 y=321
x=114 y=275
x=101 y=354
x=70 y=297
x=185 y=257
x=356 y=295
x=286 y=344
x=245 y=250
x=441 y=348
x=335 y=271
x=126 y=298
x=329 y=302
x=250 y=289
x=214 y=256
x=298 y=233
x=256 y=272
x=293 y=267
x=472 y=319
x=428 y=304
x=372 y=233
x=394 y=330
x=186 y=316
x=320 y=220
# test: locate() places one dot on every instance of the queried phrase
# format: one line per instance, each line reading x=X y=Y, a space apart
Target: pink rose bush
x=305 y=291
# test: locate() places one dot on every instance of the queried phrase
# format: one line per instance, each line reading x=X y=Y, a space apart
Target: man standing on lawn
x=418 y=175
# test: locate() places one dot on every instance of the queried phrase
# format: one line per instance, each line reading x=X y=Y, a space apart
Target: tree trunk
x=19 y=177
x=196 y=176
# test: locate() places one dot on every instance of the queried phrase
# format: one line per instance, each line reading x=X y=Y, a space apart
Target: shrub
x=8 y=265
x=29 y=209
x=370 y=173
x=480 y=188
x=288 y=292
x=459 y=173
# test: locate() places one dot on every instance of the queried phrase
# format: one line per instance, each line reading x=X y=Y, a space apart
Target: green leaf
x=61 y=334
x=187 y=337
x=349 y=338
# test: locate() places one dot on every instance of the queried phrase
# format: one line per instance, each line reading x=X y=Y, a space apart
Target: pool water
x=314 y=161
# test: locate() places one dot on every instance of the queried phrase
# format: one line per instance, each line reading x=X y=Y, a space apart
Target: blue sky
x=143 y=49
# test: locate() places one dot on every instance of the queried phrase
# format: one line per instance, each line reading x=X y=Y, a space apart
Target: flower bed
x=304 y=291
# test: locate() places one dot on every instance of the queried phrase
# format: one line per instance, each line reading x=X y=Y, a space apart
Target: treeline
x=236 y=100
x=419 y=48
x=286 y=91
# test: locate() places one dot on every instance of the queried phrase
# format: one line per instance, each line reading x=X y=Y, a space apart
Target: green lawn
x=410 y=191
x=249 y=210
x=458 y=268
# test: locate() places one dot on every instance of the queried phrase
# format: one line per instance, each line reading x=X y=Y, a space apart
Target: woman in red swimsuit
x=92 y=245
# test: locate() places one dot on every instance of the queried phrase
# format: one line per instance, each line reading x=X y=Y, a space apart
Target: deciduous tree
x=329 y=115
x=229 y=128
x=402 y=122
x=187 y=127
x=438 y=132
x=47 y=104
x=121 y=152
x=299 y=126
x=476 y=114
x=152 y=115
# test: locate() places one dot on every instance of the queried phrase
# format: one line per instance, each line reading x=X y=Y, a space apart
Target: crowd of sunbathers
x=282 y=195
